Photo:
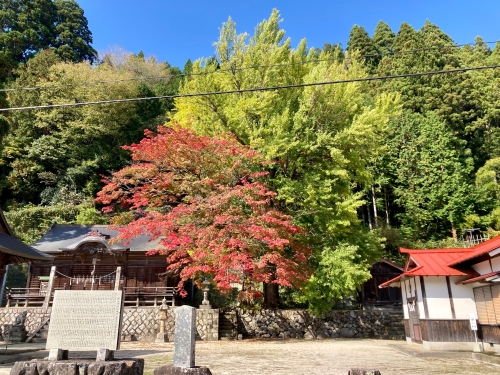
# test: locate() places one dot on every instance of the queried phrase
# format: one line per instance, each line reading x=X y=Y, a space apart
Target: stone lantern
x=162 y=317
x=205 y=304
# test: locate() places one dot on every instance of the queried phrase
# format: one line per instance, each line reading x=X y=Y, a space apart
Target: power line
x=271 y=88
x=87 y=83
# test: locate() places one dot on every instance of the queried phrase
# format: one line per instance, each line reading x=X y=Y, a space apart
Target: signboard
x=85 y=320
x=473 y=321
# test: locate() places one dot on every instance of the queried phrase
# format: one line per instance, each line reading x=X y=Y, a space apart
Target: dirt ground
x=283 y=357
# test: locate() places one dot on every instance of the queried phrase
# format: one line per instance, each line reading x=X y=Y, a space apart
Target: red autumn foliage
x=206 y=201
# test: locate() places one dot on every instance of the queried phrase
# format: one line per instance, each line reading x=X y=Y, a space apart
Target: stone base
x=206 y=307
x=79 y=367
x=161 y=337
x=363 y=371
x=174 y=370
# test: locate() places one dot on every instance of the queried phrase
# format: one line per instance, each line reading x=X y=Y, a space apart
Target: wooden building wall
x=138 y=270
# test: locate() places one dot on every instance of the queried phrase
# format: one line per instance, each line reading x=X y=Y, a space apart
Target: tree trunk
x=375 y=214
x=271 y=295
x=369 y=217
x=454 y=234
x=386 y=208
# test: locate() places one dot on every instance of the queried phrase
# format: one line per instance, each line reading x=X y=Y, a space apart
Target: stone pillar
x=117 y=278
x=185 y=333
x=48 y=296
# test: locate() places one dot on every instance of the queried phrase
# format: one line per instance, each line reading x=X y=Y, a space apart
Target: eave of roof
x=479 y=278
x=19 y=250
x=392 y=282
x=478 y=250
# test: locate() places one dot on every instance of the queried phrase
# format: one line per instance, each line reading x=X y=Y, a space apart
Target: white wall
x=482 y=268
x=463 y=298
x=438 y=301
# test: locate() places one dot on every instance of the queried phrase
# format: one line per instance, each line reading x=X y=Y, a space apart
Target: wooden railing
x=134 y=296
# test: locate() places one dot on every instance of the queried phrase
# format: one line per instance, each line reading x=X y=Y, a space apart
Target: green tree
x=360 y=41
x=67 y=148
x=30 y=26
x=431 y=170
x=383 y=38
x=319 y=138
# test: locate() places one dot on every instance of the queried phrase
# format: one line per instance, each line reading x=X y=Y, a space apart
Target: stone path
x=301 y=357
x=335 y=356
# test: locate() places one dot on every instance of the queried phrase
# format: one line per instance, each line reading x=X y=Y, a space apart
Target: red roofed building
x=444 y=289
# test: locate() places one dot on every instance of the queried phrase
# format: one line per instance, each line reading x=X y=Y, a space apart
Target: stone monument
x=83 y=320
x=184 y=345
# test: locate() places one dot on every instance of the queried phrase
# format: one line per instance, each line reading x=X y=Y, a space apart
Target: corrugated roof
x=478 y=250
x=434 y=262
x=19 y=251
x=64 y=236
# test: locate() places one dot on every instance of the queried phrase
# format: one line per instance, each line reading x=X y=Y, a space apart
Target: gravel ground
x=280 y=357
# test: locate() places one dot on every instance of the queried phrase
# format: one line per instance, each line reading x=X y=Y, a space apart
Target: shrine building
x=451 y=297
x=85 y=259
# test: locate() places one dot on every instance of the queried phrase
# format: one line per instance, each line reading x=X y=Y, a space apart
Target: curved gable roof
x=68 y=237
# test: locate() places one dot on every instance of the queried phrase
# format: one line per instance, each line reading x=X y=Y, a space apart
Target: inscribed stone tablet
x=85 y=320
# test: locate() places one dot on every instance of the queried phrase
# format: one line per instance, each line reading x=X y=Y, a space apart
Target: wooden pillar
x=49 y=289
x=117 y=279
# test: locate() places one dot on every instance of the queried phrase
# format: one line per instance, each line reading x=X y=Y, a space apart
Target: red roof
x=479 y=278
x=434 y=262
x=388 y=283
x=478 y=250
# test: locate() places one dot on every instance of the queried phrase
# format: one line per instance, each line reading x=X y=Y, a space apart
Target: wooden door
x=415 y=331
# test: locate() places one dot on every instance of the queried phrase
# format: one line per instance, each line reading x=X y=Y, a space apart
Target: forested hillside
x=363 y=166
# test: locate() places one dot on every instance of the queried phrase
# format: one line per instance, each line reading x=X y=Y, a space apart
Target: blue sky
x=176 y=31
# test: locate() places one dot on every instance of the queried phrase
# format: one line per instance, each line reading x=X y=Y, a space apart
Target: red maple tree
x=206 y=201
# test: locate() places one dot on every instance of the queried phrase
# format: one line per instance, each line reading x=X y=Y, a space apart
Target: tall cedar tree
x=382 y=38
x=30 y=26
x=360 y=41
x=204 y=199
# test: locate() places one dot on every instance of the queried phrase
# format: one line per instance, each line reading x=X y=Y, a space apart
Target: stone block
x=104 y=355
x=79 y=367
x=174 y=370
x=362 y=371
x=58 y=354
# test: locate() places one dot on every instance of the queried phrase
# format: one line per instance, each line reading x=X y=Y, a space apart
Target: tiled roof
x=434 y=262
x=62 y=236
x=478 y=250
x=19 y=251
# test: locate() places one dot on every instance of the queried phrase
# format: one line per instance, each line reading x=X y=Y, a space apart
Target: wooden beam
x=424 y=297
x=450 y=296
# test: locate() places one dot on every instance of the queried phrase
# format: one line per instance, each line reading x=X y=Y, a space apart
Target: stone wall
x=207 y=324
x=139 y=323
x=34 y=317
x=302 y=324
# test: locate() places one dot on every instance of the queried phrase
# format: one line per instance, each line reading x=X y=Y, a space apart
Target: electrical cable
x=33 y=88
x=271 y=88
